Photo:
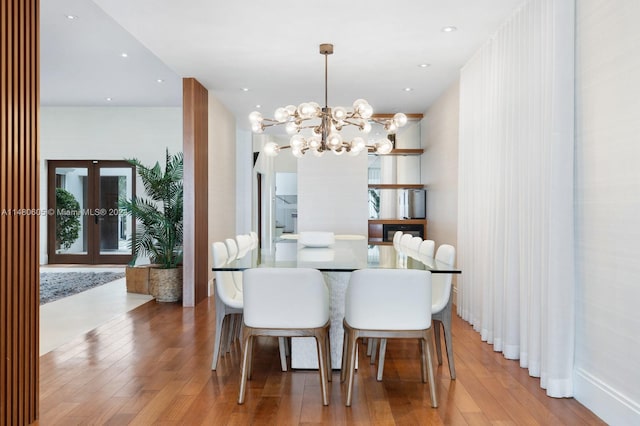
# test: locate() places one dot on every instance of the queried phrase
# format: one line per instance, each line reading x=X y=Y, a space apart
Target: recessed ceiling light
x=71 y=17
x=258 y=106
x=160 y=80
x=424 y=65
x=108 y=99
x=245 y=89
x=124 y=54
x=449 y=29
x=407 y=89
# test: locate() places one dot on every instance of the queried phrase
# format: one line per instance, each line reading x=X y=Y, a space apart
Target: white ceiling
x=270 y=47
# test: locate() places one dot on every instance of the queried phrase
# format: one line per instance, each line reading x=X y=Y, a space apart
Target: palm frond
x=159 y=215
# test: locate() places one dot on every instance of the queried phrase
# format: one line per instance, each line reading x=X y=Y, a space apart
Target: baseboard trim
x=607 y=403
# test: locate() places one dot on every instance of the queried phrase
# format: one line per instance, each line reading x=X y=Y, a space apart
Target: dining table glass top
x=341 y=256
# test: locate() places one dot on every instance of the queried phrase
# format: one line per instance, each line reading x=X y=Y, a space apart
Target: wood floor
x=152 y=366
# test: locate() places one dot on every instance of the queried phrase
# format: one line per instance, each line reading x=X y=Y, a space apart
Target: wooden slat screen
x=19 y=215
x=195 y=107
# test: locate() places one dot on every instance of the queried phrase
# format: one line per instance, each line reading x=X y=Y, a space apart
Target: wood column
x=195 y=106
x=19 y=215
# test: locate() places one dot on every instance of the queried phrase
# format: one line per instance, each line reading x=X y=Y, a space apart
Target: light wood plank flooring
x=152 y=366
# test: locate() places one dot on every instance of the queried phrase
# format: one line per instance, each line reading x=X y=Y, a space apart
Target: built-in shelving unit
x=378 y=227
x=406 y=151
x=396 y=186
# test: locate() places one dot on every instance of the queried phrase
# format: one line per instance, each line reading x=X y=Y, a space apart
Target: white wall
x=440 y=166
x=333 y=193
x=244 y=182
x=222 y=174
x=607 y=201
x=104 y=133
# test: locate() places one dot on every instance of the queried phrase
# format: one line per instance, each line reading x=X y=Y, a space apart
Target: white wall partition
x=515 y=226
x=332 y=193
x=607 y=196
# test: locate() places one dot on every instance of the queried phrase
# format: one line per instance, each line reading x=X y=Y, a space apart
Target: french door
x=84 y=224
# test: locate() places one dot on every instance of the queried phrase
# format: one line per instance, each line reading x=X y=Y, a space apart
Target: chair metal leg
x=228 y=334
x=282 y=345
x=322 y=364
x=353 y=345
x=428 y=339
x=436 y=335
x=246 y=361
x=448 y=340
x=345 y=356
x=423 y=360
x=374 y=350
x=250 y=350
x=327 y=338
x=383 y=350
x=217 y=341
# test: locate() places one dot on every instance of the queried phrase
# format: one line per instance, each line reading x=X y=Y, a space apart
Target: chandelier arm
x=380 y=121
x=351 y=123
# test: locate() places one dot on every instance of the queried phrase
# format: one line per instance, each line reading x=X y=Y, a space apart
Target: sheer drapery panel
x=515 y=223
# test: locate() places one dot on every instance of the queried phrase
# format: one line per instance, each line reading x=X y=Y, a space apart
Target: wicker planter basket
x=165 y=284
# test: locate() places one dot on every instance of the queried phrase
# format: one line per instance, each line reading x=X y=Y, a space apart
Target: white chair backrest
x=396 y=240
x=426 y=249
x=442 y=282
x=404 y=242
x=254 y=239
x=412 y=247
x=225 y=288
x=244 y=245
x=389 y=299
x=232 y=248
x=285 y=298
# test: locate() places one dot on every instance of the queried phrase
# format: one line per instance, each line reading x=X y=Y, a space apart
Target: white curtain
x=515 y=224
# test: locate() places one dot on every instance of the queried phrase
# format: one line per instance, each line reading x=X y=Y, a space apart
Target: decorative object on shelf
x=326 y=124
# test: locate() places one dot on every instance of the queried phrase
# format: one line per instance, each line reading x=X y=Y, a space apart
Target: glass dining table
x=336 y=262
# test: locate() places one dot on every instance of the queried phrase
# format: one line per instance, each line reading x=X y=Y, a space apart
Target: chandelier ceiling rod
x=326 y=49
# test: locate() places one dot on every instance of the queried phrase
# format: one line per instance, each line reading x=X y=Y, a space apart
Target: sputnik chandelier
x=325 y=125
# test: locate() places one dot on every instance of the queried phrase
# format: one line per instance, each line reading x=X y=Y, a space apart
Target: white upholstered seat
x=286 y=302
x=441 y=304
x=388 y=303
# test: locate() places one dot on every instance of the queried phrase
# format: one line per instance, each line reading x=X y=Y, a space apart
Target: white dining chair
x=441 y=304
x=396 y=240
x=404 y=242
x=232 y=249
x=228 y=302
x=425 y=251
x=244 y=245
x=255 y=241
x=374 y=309
x=412 y=247
x=286 y=302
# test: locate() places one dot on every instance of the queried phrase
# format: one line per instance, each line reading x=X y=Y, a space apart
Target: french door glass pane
x=115 y=229
x=71 y=202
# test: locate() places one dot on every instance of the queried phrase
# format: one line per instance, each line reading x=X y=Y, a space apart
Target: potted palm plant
x=159 y=222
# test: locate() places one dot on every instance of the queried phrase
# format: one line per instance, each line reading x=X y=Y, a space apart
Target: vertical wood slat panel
x=196 y=235
x=19 y=214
